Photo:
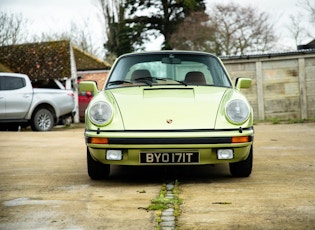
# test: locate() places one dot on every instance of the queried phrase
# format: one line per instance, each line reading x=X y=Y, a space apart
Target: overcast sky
x=54 y=15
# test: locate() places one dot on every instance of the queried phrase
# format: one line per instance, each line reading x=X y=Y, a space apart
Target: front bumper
x=134 y=143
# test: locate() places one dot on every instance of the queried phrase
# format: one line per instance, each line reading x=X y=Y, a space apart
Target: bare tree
x=239 y=30
x=299 y=31
x=83 y=39
x=77 y=34
x=308 y=6
x=229 y=30
x=193 y=33
x=12 y=28
x=296 y=29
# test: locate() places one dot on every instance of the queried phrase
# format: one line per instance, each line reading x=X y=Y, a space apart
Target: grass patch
x=295 y=121
x=288 y=121
x=275 y=121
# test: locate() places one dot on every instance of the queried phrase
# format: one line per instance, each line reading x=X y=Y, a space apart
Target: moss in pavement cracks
x=163 y=202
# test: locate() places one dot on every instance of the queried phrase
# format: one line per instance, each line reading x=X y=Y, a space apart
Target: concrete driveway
x=44 y=185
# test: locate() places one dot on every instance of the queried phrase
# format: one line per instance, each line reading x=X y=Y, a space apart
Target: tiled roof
x=40 y=61
x=4 y=68
x=46 y=60
x=85 y=61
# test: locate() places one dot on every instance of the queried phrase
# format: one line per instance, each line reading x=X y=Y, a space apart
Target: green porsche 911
x=168 y=108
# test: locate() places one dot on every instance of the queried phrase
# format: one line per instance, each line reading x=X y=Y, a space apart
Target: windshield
x=168 y=69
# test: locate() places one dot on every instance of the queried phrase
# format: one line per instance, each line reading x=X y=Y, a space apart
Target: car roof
x=168 y=52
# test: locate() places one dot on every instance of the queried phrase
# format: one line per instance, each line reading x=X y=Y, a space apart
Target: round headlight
x=100 y=113
x=237 y=111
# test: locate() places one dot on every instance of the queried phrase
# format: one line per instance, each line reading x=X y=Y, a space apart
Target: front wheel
x=242 y=168
x=96 y=170
x=42 y=120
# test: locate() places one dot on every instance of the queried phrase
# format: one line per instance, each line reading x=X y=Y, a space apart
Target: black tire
x=243 y=168
x=96 y=170
x=42 y=120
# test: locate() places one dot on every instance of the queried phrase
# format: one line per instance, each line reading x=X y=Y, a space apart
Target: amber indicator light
x=241 y=139
x=97 y=140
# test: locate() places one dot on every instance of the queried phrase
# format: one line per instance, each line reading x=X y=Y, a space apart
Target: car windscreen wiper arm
x=146 y=80
x=119 y=82
x=181 y=82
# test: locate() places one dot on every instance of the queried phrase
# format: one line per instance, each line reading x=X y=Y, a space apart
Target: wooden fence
x=283 y=84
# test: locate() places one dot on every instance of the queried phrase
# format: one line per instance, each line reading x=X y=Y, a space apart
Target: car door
x=17 y=97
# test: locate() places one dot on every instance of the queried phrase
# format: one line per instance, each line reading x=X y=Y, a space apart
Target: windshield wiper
x=150 y=80
x=181 y=82
x=119 y=82
x=146 y=80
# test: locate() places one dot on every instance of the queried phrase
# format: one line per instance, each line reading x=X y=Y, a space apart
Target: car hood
x=168 y=108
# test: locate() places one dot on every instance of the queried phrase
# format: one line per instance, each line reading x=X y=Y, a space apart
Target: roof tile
x=47 y=60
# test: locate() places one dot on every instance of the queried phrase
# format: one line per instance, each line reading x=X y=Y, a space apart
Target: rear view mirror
x=171 y=60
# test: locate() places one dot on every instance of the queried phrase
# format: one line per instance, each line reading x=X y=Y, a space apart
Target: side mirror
x=243 y=83
x=88 y=86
